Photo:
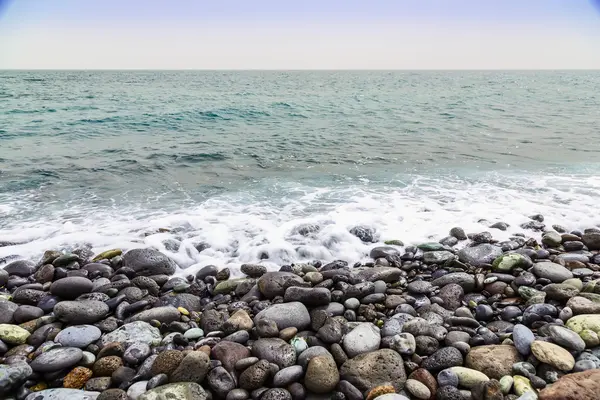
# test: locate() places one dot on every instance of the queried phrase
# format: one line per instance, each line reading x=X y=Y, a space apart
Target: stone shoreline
x=492 y=321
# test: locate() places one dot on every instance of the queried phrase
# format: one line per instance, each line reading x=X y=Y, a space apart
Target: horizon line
x=297 y=70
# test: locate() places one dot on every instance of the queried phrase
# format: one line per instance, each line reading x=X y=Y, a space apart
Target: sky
x=301 y=34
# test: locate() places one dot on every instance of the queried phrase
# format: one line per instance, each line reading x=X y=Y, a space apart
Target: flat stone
x=552 y=271
x=495 y=361
x=463 y=279
x=286 y=315
x=274 y=284
x=79 y=336
x=133 y=332
x=553 y=355
x=469 y=378
x=566 y=338
x=63 y=394
x=71 y=287
x=275 y=351
x=479 y=255
x=81 y=312
x=522 y=338
x=579 y=386
x=148 y=262
x=56 y=359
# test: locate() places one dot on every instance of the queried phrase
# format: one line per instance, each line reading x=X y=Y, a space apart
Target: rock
x=522 y=385
x=106 y=366
x=362 y=339
x=592 y=240
x=13 y=334
x=164 y=315
x=560 y=292
x=7 y=310
x=239 y=321
x=364 y=233
x=136 y=390
x=56 y=359
x=167 y=362
x=322 y=375
x=254 y=376
x=506 y=384
x=566 y=338
x=193 y=368
x=23 y=268
x=220 y=382
x=553 y=355
x=385 y=274
x=228 y=286
x=458 y=233
x=185 y=300
x=522 y=338
x=79 y=336
x=253 y=270
x=579 y=386
x=62 y=394
x=81 y=311
x=508 y=262
x=286 y=315
x=311 y=297
x=176 y=391
x=288 y=376
x=274 y=284
x=136 y=353
x=27 y=313
x=404 y=343
x=479 y=255
x=383 y=252
x=148 y=262
x=552 y=239
x=584 y=321
x=452 y=295
x=275 y=350
x=229 y=353
x=443 y=358
x=369 y=370
x=113 y=394
x=71 y=287
x=495 y=361
x=463 y=279
x=552 y=271
x=469 y=378
x=13 y=375
x=77 y=378
x=437 y=257
x=133 y=332
x=417 y=389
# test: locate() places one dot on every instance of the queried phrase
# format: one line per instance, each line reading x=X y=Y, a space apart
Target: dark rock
x=479 y=255
x=275 y=350
x=81 y=312
x=286 y=315
x=71 y=287
x=366 y=371
x=147 y=262
x=445 y=357
x=274 y=284
x=56 y=359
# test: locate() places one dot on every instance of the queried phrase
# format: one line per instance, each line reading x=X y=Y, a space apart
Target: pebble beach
x=466 y=317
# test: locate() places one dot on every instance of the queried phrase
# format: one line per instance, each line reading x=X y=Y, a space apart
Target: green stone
x=575 y=282
x=590 y=338
x=108 y=254
x=584 y=321
x=394 y=242
x=522 y=385
x=468 y=377
x=432 y=246
x=508 y=262
x=13 y=334
x=506 y=383
x=527 y=292
x=227 y=286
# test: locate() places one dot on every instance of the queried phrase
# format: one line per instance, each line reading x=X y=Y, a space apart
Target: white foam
x=241 y=227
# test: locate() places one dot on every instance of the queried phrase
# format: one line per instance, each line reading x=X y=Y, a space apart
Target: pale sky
x=307 y=34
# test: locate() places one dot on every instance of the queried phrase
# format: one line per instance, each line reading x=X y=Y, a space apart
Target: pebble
x=56 y=359
x=362 y=339
x=79 y=336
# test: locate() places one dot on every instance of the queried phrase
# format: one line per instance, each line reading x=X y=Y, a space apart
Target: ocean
x=277 y=167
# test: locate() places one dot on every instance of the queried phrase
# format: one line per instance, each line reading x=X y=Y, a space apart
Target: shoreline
x=468 y=317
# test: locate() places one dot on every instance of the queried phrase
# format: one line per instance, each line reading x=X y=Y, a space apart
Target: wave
x=283 y=222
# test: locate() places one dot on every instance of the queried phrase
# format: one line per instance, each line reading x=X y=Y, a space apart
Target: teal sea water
x=239 y=161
